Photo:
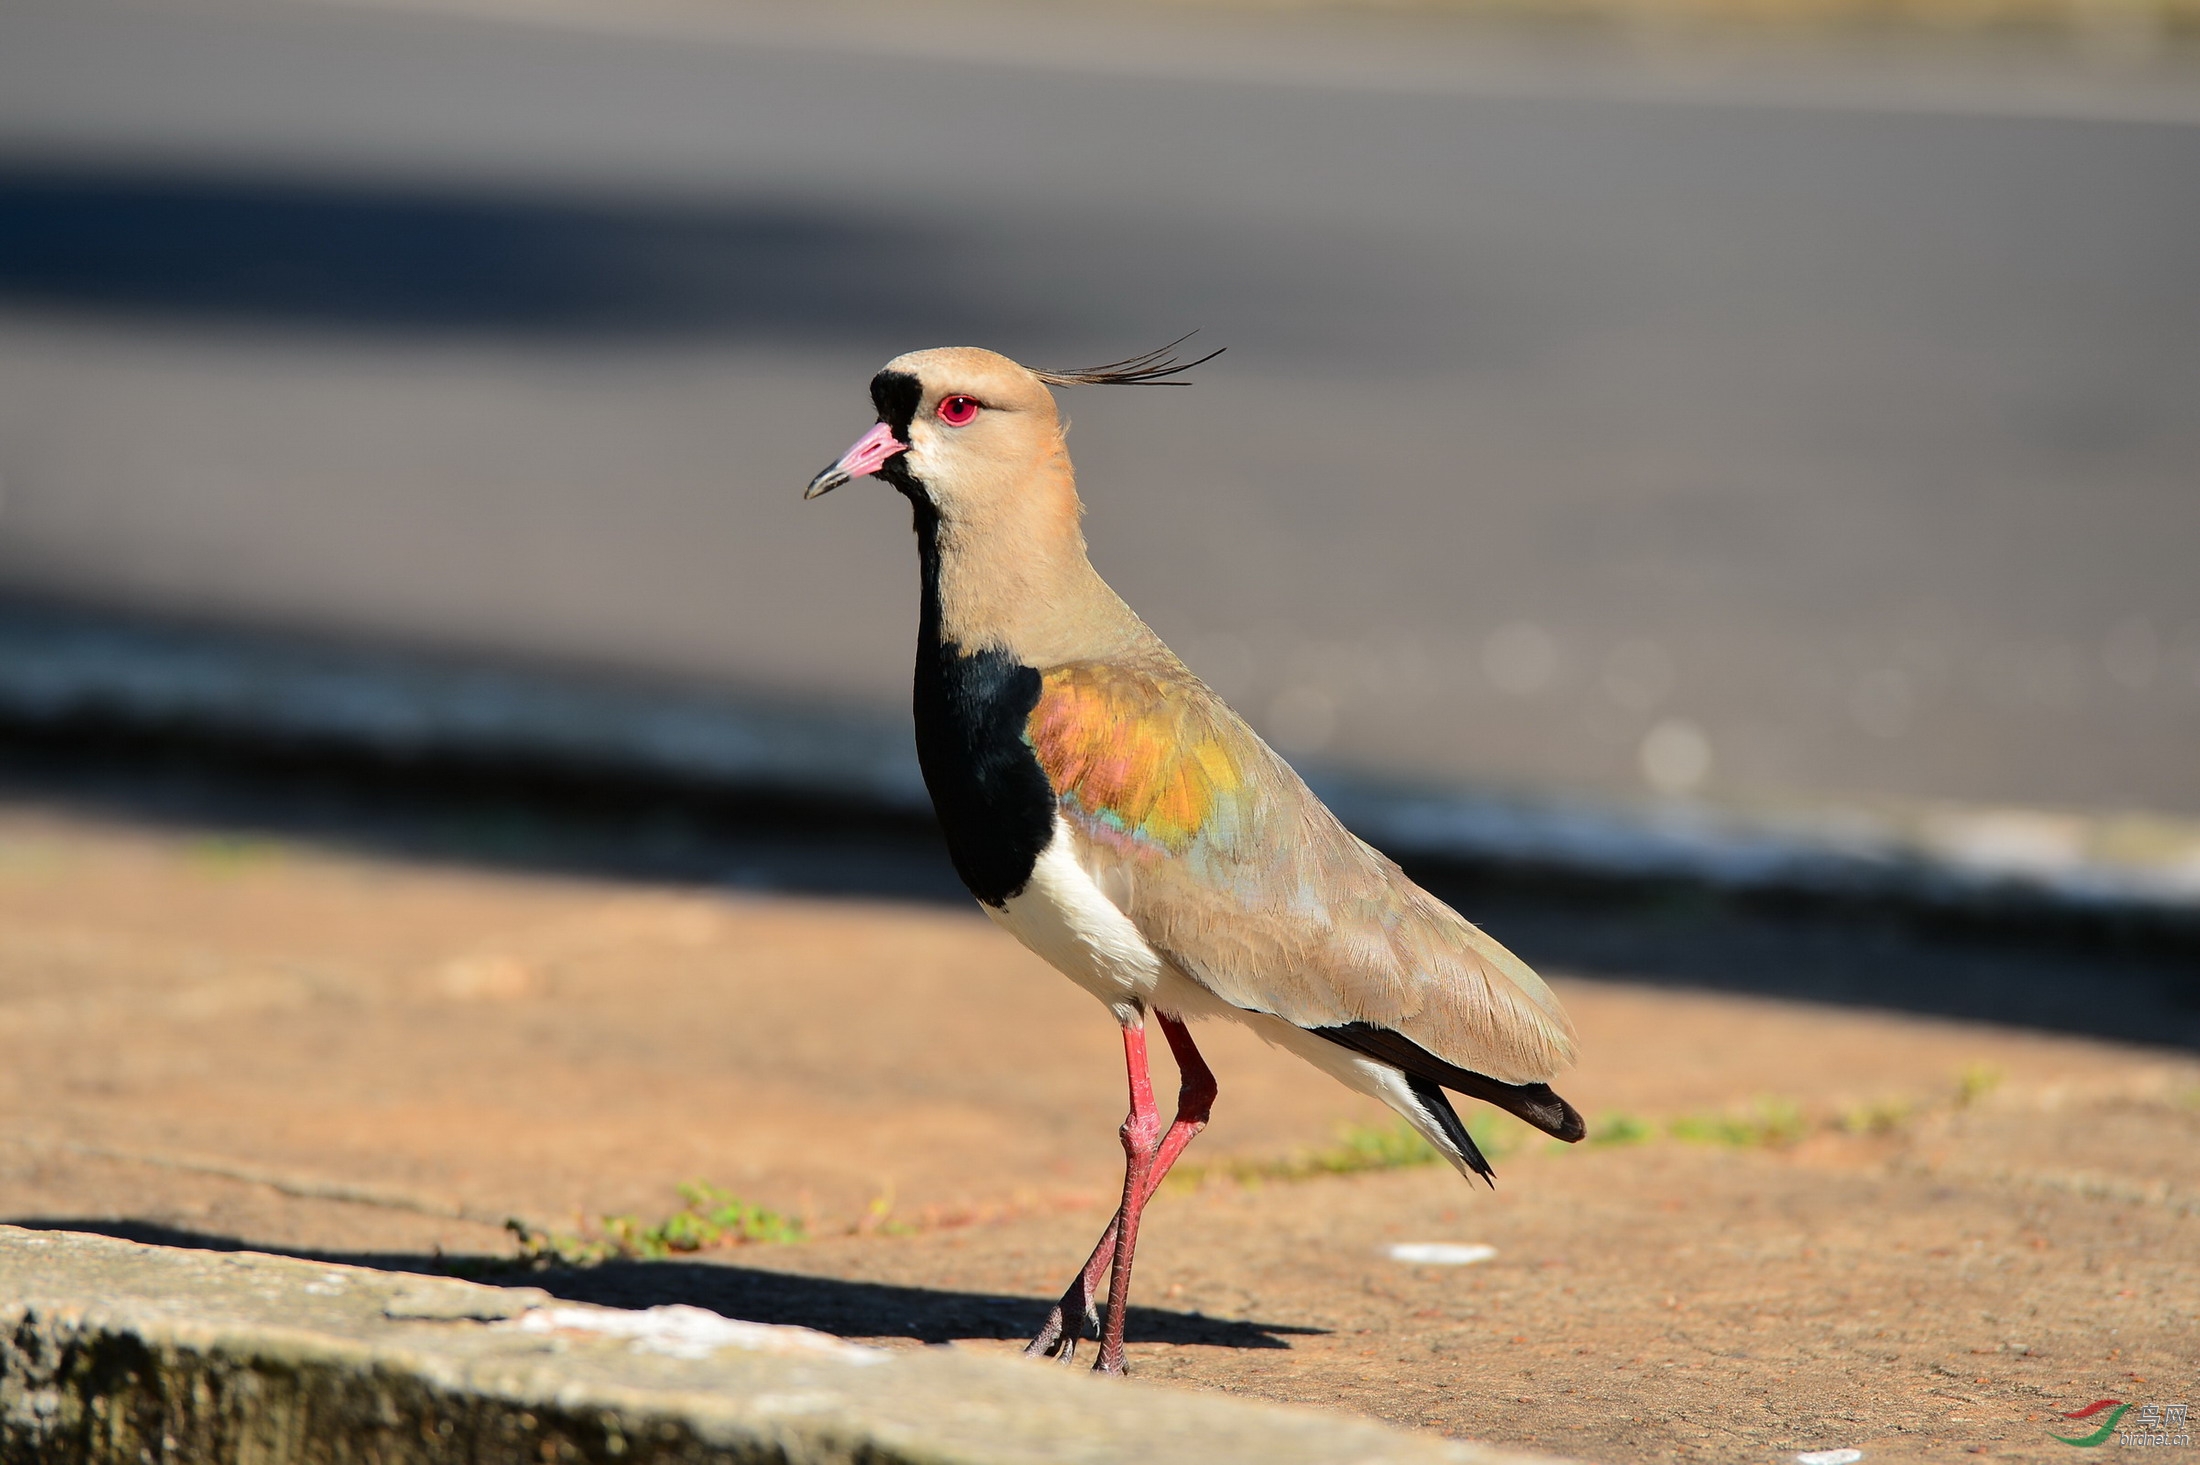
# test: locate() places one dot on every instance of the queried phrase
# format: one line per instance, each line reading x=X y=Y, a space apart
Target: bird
x=1112 y=813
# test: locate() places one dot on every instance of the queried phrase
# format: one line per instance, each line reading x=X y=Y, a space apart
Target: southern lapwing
x=1111 y=813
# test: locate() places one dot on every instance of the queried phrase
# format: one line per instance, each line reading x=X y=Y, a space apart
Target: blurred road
x=1574 y=429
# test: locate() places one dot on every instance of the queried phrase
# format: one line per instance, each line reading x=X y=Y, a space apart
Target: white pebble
x=1441 y=1253
x=1829 y=1457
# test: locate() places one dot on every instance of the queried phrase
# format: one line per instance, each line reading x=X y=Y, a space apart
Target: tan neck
x=1014 y=574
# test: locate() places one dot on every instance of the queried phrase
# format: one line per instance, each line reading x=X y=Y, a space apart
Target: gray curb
x=115 y=1352
x=63 y=668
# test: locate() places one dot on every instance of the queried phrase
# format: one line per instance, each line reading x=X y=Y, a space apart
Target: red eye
x=958 y=411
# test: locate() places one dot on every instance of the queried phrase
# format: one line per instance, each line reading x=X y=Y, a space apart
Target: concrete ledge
x=77 y=669
x=115 y=1352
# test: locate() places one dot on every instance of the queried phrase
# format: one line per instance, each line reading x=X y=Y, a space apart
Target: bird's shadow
x=846 y=1308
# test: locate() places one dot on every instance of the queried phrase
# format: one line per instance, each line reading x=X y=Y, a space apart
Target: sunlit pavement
x=1797 y=1226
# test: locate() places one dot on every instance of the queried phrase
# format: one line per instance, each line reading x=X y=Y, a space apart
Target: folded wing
x=1230 y=866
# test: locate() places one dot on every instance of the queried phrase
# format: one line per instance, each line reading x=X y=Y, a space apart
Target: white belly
x=1064 y=916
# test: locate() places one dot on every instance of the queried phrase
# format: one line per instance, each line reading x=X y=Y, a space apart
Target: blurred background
x=1713 y=486
x=1761 y=405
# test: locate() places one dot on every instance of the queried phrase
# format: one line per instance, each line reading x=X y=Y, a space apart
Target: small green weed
x=1360 y=1148
x=1767 y=1124
x=1975 y=1082
x=709 y=1218
x=1615 y=1128
x=1772 y=1123
x=879 y=1219
x=1877 y=1116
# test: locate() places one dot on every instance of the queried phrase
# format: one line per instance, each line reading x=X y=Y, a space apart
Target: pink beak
x=867 y=456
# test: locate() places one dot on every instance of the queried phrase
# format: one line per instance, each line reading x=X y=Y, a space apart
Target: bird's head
x=957 y=427
x=963 y=431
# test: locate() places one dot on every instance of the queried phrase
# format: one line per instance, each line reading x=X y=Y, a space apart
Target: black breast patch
x=994 y=802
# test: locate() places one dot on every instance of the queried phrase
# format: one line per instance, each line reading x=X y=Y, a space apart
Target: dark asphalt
x=1571 y=430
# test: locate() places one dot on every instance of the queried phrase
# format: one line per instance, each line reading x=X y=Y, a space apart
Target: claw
x=1049 y=1336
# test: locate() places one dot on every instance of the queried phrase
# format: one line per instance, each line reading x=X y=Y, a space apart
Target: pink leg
x=1195 y=1099
x=1195 y=1095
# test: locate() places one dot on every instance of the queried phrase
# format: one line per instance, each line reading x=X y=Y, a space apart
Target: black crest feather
x=1150 y=370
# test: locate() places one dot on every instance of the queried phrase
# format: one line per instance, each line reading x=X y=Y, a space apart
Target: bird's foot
x=1053 y=1340
x=1056 y=1338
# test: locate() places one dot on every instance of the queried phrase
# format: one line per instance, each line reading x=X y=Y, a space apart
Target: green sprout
x=1615 y=1128
x=1975 y=1082
x=1768 y=1124
x=708 y=1219
x=1877 y=1116
x=1359 y=1149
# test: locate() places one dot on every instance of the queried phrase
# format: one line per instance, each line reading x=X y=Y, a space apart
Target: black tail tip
x=1570 y=1127
x=1548 y=1112
x=1437 y=1104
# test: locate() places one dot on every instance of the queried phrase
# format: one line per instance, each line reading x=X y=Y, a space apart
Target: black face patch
x=897 y=395
x=994 y=801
